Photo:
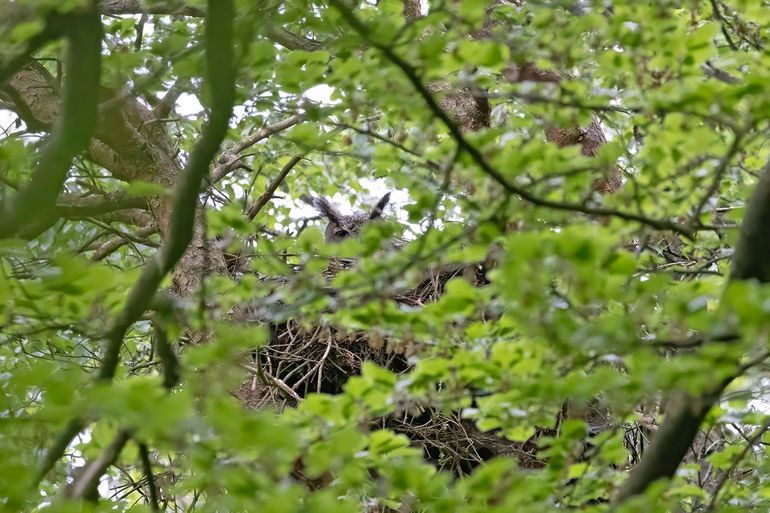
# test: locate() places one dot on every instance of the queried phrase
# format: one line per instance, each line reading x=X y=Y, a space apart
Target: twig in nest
x=275 y=381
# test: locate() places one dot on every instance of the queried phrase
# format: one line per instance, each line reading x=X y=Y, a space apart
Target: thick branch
x=712 y=71
x=52 y=455
x=412 y=9
x=476 y=154
x=36 y=200
x=289 y=40
x=751 y=262
x=280 y=35
x=221 y=77
x=71 y=206
x=141 y=7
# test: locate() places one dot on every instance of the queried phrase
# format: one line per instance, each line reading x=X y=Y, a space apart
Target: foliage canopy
x=563 y=309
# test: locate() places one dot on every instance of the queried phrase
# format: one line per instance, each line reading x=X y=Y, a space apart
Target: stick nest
x=300 y=360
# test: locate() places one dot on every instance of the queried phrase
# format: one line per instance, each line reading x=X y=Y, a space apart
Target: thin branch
x=37 y=199
x=476 y=155
x=164 y=106
x=231 y=158
x=721 y=20
x=718 y=175
x=386 y=140
x=750 y=443
x=275 y=381
x=85 y=485
x=111 y=245
x=270 y=190
x=128 y=236
x=52 y=455
x=144 y=455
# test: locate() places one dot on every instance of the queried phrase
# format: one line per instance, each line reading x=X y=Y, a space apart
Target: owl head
x=340 y=227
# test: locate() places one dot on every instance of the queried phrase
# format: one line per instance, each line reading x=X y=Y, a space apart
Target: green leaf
x=140 y=188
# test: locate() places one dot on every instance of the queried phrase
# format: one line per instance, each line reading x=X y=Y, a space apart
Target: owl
x=340 y=227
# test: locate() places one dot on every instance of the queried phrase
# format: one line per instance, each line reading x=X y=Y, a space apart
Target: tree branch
x=721 y=169
x=750 y=443
x=270 y=190
x=280 y=35
x=144 y=455
x=682 y=422
x=230 y=158
x=54 y=26
x=475 y=153
x=117 y=7
x=166 y=104
x=712 y=71
x=52 y=455
x=115 y=243
x=85 y=485
x=290 y=40
x=36 y=200
x=221 y=77
x=718 y=16
x=72 y=206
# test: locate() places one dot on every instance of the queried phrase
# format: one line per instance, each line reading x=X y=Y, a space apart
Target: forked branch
x=220 y=71
x=36 y=200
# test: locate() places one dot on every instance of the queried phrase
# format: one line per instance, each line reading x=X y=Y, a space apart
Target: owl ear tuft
x=379 y=208
x=327 y=210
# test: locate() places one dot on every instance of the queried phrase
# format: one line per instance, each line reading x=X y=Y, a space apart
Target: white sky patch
x=188 y=105
x=321 y=94
x=8 y=123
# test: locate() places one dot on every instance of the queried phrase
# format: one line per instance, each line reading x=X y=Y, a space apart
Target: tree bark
x=684 y=418
x=131 y=145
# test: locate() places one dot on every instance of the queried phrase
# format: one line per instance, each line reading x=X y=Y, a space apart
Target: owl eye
x=340 y=233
